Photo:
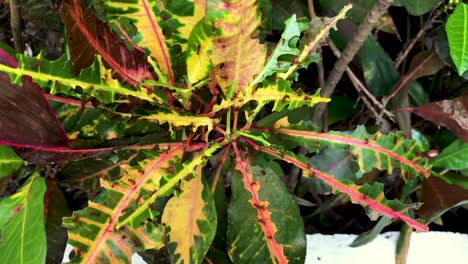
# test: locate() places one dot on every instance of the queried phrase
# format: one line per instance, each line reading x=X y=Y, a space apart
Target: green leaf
x=453 y=157
x=457 y=34
x=9 y=161
x=199 y=48
x=168 y=178
x=357 y=13
x=162 y=28
x=338 y=163
x=417 y=7
x=264 y=221
x=56 y=206
x=190 y=221
x=287 y=46
x=176 y=119
x=370 y=235
x=379 y=70
x=280 y=93
x=22 y=224
x=450 y=177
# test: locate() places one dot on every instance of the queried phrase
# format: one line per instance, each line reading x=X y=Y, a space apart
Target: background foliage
x=183 y=130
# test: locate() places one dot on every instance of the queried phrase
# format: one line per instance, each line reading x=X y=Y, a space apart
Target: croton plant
x=178 y=122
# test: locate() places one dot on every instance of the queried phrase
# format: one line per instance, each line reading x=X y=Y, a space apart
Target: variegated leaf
x=237 y=57
x=369 y=196
x=182 y=119
x=163 y=27
x=199 y=50
x=170 y=178
x=264 y=221
x=93 y=232
x=87 y=36
x=280 y=93
x=56 y=75
x=190 y=221
x=384 y=152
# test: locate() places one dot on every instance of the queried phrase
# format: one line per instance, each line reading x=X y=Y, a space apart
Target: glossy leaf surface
x=264 y=221
x=237 y=56
x=418 y=7
x=92 y=231
x=457 y=34
x=453 y=157
x=87 y=36
x=190 y=221
x=22 y=224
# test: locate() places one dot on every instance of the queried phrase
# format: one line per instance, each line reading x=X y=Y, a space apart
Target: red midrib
x=278 y=252
x=113 y=220
x=355 y=196
x=355 y=142
x=115 y=65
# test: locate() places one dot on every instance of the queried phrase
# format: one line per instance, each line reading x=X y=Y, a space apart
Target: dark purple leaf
x=26 y=119
x=439 y=196
x=28 y=123
x=452 y=114
x=87 y=36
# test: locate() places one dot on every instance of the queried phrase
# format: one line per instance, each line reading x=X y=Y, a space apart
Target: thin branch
x=362 y=89
x=15 y=22
x=428 y=25
x=310 y=5
x=348 y=54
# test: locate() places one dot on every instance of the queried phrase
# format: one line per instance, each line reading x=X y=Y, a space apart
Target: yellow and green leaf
x=169 y=179
x=92 y=231
x=199 y=50
x=95 y=81
x=237 y=57
x=190 y=221
x=180 y=119
x=163 y=27
x=280 y=93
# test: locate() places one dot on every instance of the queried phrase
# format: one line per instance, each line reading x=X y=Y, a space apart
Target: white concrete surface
x=425 y=248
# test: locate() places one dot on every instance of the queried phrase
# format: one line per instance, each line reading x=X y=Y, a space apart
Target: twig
x=310 y=5
x=15 y=22
x=405 y=80
x=361 y=89
x=349 y=53
x=405 y=51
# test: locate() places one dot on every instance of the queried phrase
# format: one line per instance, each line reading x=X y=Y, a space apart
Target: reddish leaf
x=87 y=36
x=26 y=118
x=439 y=196
x=452 y=114
x=28 y=123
